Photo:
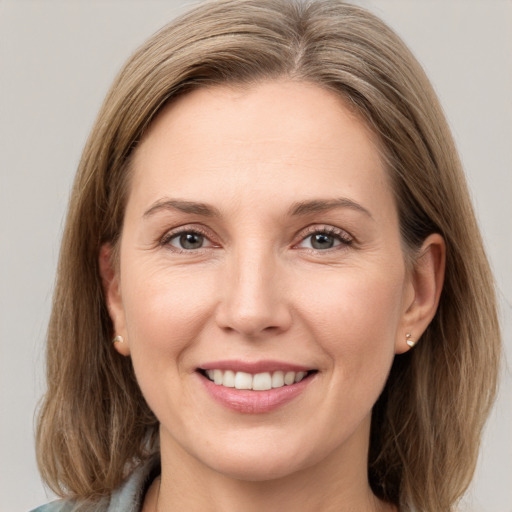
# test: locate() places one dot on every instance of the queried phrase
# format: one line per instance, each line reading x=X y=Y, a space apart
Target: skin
x=258 y=289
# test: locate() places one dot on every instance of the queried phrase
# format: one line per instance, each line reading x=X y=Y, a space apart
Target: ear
x=112 y=291
x=423 y=291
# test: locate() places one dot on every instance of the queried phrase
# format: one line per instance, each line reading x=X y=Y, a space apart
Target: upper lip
x=254 y=366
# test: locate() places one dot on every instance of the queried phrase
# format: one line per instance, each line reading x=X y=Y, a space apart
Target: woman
x=272 y=291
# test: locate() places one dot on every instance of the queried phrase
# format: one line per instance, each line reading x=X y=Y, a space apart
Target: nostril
x=271 y=328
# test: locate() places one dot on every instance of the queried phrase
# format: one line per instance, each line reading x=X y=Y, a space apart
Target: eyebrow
x=322 y=205
x=297 y=209
x=182 y=206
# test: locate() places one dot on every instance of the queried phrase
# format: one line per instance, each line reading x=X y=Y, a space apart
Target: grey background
x=57 y=59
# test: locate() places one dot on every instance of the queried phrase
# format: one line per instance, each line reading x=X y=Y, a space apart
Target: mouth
x=255 y=387
x=262 y=381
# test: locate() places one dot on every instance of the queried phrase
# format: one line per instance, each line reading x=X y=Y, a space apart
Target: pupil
x=322 y=241
x=191 y=241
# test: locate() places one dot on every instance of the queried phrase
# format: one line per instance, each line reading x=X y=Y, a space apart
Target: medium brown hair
x=94 y=425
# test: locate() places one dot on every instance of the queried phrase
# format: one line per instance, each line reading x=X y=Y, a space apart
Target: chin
x=257 y=470
x=259 y=461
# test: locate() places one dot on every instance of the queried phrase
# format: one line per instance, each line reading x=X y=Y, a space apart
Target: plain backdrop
x=57 y=59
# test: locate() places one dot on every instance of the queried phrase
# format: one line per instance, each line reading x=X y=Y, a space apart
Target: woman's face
x=261 y=241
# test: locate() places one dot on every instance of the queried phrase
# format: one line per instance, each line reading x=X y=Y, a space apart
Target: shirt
x=129 y=497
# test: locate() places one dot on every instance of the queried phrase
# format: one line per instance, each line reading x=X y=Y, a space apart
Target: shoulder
x=127 y=498
x=55 y=506
x=72 y=506
x=130 y=496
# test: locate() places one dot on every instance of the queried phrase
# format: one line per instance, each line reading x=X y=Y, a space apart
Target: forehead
x=250 y=141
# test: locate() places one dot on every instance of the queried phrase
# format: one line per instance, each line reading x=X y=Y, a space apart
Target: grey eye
x=188 y=241
x=322 y=241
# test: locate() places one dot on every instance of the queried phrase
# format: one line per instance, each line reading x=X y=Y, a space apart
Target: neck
x=300 y=495
x=329 y=486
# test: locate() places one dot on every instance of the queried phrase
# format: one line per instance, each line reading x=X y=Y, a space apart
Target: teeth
x=228 y=379
x=289 y=378
x=217 y=376
x=262 y=381
x=299 y=376
x=258 y=382
x=243 y=380
x=277 y=379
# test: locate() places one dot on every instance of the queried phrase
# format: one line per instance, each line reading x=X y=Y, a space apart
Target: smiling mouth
x=255 y=382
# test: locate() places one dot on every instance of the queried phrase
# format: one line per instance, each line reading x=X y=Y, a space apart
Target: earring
x=408 y=339
x=118 y=339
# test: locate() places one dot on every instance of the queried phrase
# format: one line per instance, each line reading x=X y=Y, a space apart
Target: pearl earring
x=118 y=339
x=408 y=339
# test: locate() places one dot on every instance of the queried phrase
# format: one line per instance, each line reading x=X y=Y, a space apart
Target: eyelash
x=165 y=241
x=340 y=235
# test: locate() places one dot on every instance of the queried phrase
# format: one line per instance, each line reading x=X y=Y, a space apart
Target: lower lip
x=254 y=402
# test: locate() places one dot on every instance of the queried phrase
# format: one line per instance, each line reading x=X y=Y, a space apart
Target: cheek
x=162 y=304
x=357 y=321
x=165 y=313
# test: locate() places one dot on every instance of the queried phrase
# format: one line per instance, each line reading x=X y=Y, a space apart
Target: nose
x=254 y=301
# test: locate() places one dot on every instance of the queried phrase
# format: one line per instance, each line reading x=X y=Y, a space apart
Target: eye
x=323 y=239
x=187 y=240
